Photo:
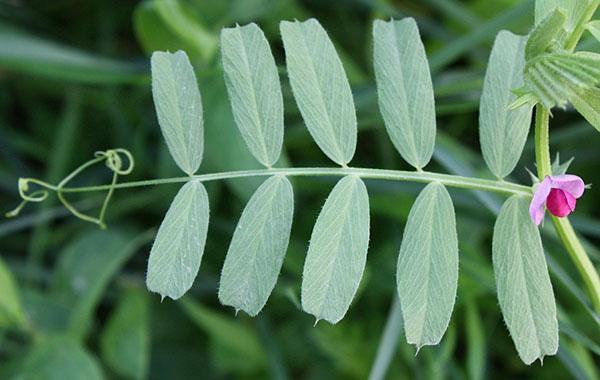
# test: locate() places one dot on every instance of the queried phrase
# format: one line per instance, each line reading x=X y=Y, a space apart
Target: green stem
x=562 y=225
x=501 y=187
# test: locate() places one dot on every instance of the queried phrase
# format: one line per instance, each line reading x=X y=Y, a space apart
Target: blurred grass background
x=74 y=78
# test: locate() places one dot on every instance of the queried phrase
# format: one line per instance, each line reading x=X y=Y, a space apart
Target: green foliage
x=337 y=252
x=404 y=89
x=177 y=251
x=427 y=272
x=258 y=247
x=11 y=311
x=321 y=88
x=125 y=341
x=253 y=85
x=524 y=289
x=179 y=108
x=503 y=131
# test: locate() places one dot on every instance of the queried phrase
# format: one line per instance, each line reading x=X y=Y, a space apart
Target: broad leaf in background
x=179 y=108
x=427 y=272
x=587 y=103
x=125 y=341
x=404 y=89
x=59 y=358
x=523 y=284
x=321 y=88
x=235 y=345
x=337 y=252
x=169 y=24
x=32 y=55
x=177 y=251
x=85 y=269
x=503 y=131
x=258 y=247
x=11 y=311
x=254 y=90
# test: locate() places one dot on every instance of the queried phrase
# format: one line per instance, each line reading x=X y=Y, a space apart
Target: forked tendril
x=112 y=158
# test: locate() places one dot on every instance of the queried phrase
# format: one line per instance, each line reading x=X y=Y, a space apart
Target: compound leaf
x=427 y=273
x=337 y=252
x=523 y=284
x=254 y=90
x=503 y=131
x=179 y=108
x=321 y=88
x=177 y=251
x=258 y=247
x=404 y=89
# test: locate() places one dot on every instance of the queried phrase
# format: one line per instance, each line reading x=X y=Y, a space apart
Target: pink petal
x=570 y=183
x=536 y=207
x=560 y=203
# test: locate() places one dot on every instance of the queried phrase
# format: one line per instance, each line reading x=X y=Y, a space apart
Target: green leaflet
x=11 y=311
x=503 y=131
x=404 y=89
x=254 y=90
x=125 y=341
x=523 y=284
x=587 y=103
x=321 y=88
x=573 y=10
x=594 y=28
x=179 y=108
x=549 y=33
x=337 y=252
x=427 y=273
x=258 y=247
x=177 y=251
x=556 y=78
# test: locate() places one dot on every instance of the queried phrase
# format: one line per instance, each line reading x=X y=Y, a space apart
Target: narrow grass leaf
x=258 y=247
x=427 y=273
x=125 y=341
x=321 y=88
x=404 y=89
x=254 y=90
x=337 y=252
x=523 y=284
x=11 y=310
x=177 y=251
x=503 y=131
x=179 y=108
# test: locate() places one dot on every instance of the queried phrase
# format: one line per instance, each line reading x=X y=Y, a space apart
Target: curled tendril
x=113 y=159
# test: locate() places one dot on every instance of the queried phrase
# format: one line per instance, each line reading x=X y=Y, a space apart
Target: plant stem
x=562 y=225
x=501 y=187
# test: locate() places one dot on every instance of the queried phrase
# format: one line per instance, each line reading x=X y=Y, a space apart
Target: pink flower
x=558 y=194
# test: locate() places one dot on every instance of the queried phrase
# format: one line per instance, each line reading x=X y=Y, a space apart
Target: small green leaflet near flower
x=524 y=289
x=337 y=252
x=427 y=273
x=503 y=131
x=404 y=89
x=549 y=33
x=177 y=251
x=594 y=28
x=254 y=90
x=320 y=88
x=258 y=247
x=573 y=10
x=179 y=108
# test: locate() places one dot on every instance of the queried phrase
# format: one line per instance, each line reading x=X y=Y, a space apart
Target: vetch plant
x=538 y=71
